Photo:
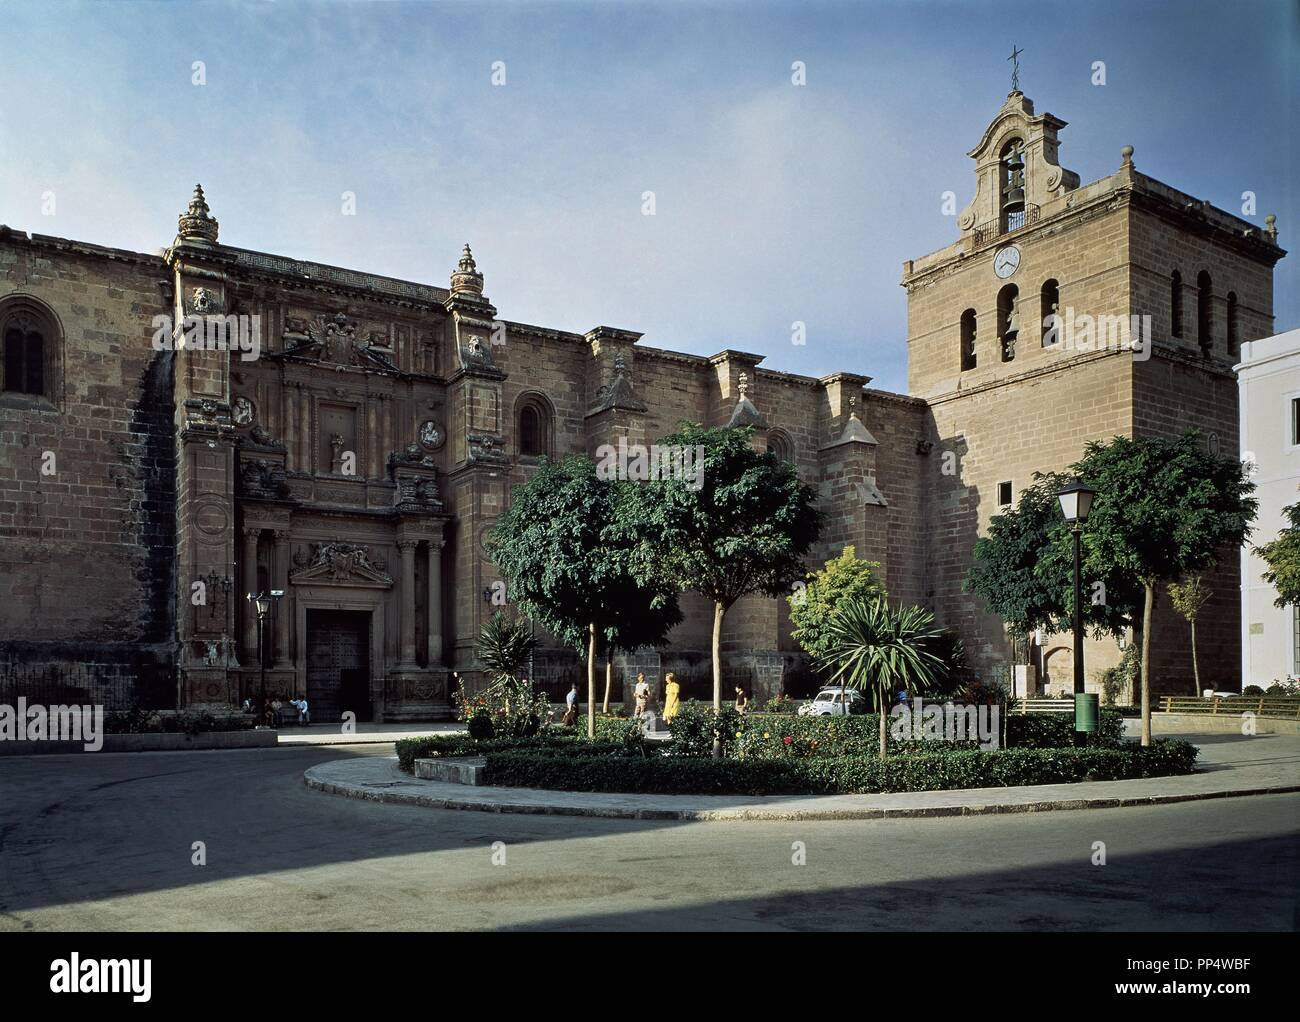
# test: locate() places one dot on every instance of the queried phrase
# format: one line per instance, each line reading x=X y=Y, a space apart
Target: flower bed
x=779 y=754
x=573 y=769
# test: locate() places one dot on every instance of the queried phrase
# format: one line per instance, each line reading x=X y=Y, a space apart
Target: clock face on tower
x=1006 y=262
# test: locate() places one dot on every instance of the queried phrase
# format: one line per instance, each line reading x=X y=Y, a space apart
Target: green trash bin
x=1085 y=711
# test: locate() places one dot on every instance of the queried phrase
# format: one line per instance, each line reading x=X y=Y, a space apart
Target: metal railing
x=113 y=686
x=1031 y=214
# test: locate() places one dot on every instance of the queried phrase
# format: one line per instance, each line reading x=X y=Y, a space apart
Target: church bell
x=1013 y=320
x=1013 y=192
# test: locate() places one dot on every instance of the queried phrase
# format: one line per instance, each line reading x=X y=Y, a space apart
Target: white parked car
x=834 y=702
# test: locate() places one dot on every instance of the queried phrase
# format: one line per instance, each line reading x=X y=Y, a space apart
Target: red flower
x=789 y=740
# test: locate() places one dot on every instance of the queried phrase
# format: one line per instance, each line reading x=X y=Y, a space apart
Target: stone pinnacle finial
x=1127 y=155
x=466 y=280
x=1270 y=227
x=853 y=411
x=742 y=385
x=195 y=224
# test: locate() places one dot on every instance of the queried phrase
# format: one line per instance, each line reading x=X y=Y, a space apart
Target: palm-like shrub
x=882 y=649
x=504 y=647
x=510 y=702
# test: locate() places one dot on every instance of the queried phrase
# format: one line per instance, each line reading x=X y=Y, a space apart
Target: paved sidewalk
x=365 y=734
x=1230 y=765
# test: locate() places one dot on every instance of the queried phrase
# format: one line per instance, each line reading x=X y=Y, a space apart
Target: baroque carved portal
x=341 y=564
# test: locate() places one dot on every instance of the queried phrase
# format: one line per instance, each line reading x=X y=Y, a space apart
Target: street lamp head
x=262 y=602
x=1076 y=501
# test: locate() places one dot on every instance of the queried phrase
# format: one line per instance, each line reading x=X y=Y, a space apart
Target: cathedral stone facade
x=353 y=448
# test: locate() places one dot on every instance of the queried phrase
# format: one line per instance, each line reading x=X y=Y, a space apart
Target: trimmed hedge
x=137 y=721
x=436 y=746
x=610 y=727
x=764 y=737
x=1056 y=730
x=573 y=770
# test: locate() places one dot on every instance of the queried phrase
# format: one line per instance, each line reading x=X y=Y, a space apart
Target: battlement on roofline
x=306 y=273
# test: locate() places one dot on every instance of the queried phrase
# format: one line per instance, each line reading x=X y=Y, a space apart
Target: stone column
x=372 y=439
x=280 y=577
x=406 y=659
x=250 y=586
x=288 y=424
x=386 y=425
x=304 y=429
x=434 y=630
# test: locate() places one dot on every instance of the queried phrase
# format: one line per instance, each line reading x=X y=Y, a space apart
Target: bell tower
x=1017 y=170
x=1065 y=313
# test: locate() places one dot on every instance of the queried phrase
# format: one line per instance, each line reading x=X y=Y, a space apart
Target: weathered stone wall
x=86 y=551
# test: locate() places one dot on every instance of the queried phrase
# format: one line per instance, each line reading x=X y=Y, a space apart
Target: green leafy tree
x=1024 y=570
x=841 y=580
x=1005 y=562
x=742 y=526
x=1165 y=507
x=557 y=545
x=883 y=649
x=642 y=617
x=1188 y=597
x=1282 y=556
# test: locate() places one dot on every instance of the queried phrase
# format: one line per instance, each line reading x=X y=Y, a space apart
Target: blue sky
x=774 y=203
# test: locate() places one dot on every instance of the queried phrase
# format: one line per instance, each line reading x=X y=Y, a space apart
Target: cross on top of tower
x=1015 y=67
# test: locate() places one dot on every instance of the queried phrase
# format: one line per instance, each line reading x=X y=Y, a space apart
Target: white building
x=1269 y=382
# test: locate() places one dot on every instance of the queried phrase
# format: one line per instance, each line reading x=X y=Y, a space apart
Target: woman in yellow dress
x=672 y=691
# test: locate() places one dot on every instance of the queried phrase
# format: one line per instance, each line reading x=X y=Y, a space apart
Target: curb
x=152 y=741
x=701 y=815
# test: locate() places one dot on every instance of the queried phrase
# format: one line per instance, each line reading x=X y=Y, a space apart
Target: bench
x=1261 y=706
x=1043 y=706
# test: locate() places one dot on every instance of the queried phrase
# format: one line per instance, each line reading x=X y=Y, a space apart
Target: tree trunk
x=1148 y=608
x=880 y=705
x=719 y=611
x=609 y=680
x=591 y=681
x=1196 y=670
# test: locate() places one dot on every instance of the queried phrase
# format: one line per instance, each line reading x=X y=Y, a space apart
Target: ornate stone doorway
x=338 y=664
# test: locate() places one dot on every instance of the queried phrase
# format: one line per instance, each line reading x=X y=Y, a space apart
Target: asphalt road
x=106 y=842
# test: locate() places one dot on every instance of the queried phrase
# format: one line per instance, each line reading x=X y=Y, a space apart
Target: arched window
x=1232 y=323
x=1049 y=309
x=780 y=444
x=533 y=426
x=1204 y=314
x=29 y=338
x=1013 y=185
x=1008 y=321
x=530 y=431
x=1176 y=304
x=968 y=340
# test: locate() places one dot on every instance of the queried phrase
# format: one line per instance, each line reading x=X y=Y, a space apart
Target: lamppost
x=262 y=603
x=1076 y=503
